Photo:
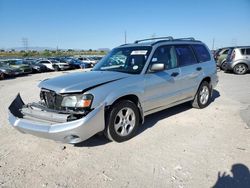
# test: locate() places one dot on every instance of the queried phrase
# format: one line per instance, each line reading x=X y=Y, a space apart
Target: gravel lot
x=178 y=147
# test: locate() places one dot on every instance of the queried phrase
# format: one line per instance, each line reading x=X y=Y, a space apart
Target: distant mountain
x=31 y=48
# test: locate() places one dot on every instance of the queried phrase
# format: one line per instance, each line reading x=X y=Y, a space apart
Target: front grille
x=51 y=99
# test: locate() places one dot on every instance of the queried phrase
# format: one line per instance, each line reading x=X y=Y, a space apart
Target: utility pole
x=213 y=44
x=125 y=37
x=25 y=42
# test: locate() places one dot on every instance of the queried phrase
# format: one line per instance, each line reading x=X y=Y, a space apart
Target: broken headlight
x=77 y=101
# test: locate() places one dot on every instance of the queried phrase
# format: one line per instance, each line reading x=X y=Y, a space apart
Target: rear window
x=185 y=55
x=248 y=51
x=202 y=53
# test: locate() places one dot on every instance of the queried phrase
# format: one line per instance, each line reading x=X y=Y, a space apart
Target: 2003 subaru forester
x=132 y=81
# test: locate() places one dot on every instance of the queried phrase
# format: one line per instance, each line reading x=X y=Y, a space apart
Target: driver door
x=162 y=88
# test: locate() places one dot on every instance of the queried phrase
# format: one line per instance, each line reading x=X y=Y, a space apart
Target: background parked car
x=76 y=63
x=7 y=71
x=19 y=64
x=35 y=65
x=54 y=65
x=221 y=57
x=88 y=60
x=1 y=75
x=238 y=60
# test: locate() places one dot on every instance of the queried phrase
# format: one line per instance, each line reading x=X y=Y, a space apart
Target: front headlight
x=3 y=70
x=77 y=101
x=36 y=67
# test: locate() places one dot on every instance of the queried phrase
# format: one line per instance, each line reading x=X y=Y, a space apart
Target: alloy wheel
x=204 y=95
x=124 y=121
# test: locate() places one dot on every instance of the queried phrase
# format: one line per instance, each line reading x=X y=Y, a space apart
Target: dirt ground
x=178 y=147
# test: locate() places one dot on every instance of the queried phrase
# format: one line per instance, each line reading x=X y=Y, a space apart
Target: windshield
x=126 y=59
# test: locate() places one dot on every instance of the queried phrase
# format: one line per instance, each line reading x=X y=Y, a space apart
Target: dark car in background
x=35 y=65
x=7 y=71
x=76 y=63
x=220 y=57
x=19 y=64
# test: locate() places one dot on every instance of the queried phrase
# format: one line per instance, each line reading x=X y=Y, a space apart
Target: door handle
x=174 y=74
x=198 y=68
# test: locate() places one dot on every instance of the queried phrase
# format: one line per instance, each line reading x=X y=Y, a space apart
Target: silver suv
x=238 y=60
x=131 y=82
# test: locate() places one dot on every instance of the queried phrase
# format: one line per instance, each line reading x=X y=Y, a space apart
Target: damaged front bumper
x=53 y=125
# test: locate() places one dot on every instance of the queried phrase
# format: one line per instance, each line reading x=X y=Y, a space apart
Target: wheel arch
x=208 y=80
x=131 y=97
x=241 y=62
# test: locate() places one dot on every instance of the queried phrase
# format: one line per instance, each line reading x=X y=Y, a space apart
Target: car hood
x=7 y=68
x=22 y=66
x=81 y=82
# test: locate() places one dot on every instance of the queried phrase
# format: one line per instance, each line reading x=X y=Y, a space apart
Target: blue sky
x=85 y=24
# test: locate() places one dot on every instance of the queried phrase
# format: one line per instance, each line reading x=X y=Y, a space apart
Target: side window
x=202 y=53
x=185 y=55
x=44 y=62
x=248 y=51
x=242 y=51
x=165 y=55
x=225 y=52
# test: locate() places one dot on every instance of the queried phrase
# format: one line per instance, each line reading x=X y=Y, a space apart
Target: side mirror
x=156 y=67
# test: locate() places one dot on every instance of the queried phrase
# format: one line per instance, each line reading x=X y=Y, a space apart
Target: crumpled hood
x=78 y=82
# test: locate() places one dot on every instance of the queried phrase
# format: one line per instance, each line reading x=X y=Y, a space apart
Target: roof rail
x=158 y=38
x=188 y=38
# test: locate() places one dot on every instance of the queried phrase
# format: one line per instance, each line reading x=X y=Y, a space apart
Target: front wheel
x=202 y=97
x=122 y=121
x=1 y=76
x=57 y=68
x=223 y=66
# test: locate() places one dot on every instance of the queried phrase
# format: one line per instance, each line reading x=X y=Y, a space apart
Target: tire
x=203 y=96
x=57 y=68
x=122 y=121
x=223 y=66
x=2 y=76
x=240 y=69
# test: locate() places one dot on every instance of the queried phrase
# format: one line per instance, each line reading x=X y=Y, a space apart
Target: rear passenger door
x=190 y=71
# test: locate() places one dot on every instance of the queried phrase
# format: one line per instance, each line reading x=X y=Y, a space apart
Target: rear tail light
x=232 y=56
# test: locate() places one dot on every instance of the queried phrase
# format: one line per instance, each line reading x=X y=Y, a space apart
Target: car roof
x=241 y=47
x=159 y=40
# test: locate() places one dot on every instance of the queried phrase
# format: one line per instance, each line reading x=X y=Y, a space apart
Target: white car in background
x=54 y=65
x=88 y=60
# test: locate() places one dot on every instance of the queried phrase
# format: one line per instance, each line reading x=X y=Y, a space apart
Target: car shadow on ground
x=240 y=178
x=149 y=122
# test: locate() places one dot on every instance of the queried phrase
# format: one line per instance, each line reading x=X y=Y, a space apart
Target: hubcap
x=124 y=121
x=240 y=69
x=204 y=95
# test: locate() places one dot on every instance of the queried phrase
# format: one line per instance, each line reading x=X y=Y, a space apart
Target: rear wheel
x=240 y=68
x=202 y=97
x=122 y=121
